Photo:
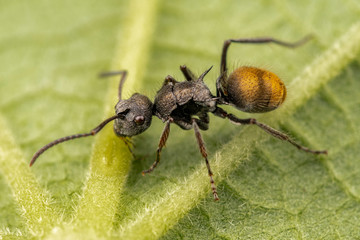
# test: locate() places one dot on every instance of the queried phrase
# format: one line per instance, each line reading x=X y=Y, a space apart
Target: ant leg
x=129 y=144
x=202 y=148
x=163 y=138
x=189 y=75
x=219 y=93
x=223 y=68
x=122 y=79
x=273 y=132
x=203 y=121
x=259 y=40
x=186 y=124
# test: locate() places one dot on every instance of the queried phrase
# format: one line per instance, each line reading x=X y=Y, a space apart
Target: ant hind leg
x=189 y=75
x=259 y=40
x=273 y=132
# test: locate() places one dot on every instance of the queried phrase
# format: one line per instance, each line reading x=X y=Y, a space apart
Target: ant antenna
x=71 y=137
x=122 y=79
x=92 y=132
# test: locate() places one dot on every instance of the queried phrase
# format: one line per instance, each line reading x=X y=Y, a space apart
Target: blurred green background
x=52 y=52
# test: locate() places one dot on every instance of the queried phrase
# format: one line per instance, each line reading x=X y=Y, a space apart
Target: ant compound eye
x=139 y=120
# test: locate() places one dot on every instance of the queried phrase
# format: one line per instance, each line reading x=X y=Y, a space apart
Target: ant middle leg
x=203 y=152
x=273 y=132
x=162 y=142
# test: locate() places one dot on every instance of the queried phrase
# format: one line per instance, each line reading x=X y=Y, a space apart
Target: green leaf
x=50 y=55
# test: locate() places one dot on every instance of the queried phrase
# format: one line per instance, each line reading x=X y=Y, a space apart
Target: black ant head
x=135 y=115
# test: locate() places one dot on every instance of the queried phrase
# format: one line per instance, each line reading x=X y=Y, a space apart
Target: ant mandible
x=188 y=103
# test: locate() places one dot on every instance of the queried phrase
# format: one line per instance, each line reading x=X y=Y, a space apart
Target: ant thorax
x=182 y=101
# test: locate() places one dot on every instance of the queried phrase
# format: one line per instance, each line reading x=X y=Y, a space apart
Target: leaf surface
x=51 y=54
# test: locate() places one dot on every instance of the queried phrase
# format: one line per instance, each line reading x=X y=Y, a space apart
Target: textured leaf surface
x=50 y=55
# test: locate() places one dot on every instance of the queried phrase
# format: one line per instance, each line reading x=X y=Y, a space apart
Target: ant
x=188 y=103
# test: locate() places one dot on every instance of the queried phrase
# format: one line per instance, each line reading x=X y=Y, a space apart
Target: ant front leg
x=273 y=132
x=163 y=138
x=203 y=152
x=129 y=144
